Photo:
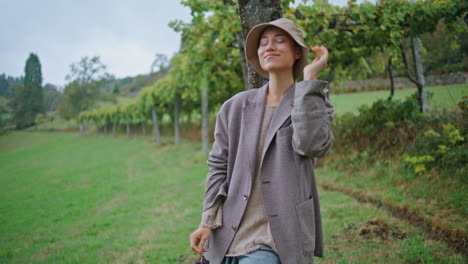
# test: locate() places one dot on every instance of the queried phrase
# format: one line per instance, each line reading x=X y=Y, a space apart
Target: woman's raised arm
x=312 y=114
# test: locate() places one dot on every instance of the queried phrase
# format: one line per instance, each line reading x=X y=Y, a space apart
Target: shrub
x=388 y=128
x=446 y=146
x=384 y=124
x=419 y=162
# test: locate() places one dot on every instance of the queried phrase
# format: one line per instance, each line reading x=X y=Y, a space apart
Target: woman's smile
x=271 y=55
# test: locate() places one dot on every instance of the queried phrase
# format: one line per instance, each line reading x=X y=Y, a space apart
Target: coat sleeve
x=213 y=217
x=216 y=180
x=311 y=118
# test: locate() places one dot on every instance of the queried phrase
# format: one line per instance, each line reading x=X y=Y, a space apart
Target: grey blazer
x=300 y=130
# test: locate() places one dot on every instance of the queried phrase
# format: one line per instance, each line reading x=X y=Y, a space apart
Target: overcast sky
x=124 y=34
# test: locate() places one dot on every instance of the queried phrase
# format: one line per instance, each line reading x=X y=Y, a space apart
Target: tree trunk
x=251 y=13
x=81 y=128
x=105 y=128
x=114 y=126
x=420 y=75
x=156 y=134
x=243 y=60
x=128 y=129
x=240 y=46
x=176 y=120
x=421 y=83
x=205 y=138
x=143 y=127
x=390 y=75
x=422 y=99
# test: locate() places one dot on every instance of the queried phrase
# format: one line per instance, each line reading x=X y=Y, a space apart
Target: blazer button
x=246 y=196
x=234 y=227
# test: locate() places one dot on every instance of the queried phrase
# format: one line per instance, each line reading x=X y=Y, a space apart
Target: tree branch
x=405 y=61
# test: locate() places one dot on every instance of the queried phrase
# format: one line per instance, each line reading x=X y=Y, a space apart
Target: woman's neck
x=277 y=86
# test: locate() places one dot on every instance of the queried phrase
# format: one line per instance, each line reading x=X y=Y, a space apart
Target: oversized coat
x=300 y=130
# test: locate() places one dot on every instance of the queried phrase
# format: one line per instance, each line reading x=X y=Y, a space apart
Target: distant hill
x=130 y=86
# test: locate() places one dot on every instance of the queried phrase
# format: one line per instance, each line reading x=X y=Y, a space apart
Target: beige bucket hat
x=251 y=45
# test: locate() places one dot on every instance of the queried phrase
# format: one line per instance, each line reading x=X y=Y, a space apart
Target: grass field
x=66 y=198
x=444 y=97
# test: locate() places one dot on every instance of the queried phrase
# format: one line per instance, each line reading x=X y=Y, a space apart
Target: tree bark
x=105 y=128
x=421 y=83
x=390 y=76
x=240 y=46
x=405 y=62
x=422 y=99
x=81 y=128
x=156 y=134
x=143 y=127
x=420 y=75
x=243 y=60
x=251 y=13
x=176 y=120
x=205 y=138
x=128 y=129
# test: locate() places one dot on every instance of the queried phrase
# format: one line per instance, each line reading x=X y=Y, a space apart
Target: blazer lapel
x=281 y=114
x=252 y=121
x=253 y=112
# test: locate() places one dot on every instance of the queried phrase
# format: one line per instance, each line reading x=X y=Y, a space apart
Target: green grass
x=445 y=97
x=66 y=198
x=392 y=241
x=438 y=197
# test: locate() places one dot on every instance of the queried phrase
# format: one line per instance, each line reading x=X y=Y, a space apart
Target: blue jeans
x=264 y=255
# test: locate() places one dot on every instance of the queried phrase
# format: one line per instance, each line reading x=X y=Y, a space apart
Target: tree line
x=210 y=68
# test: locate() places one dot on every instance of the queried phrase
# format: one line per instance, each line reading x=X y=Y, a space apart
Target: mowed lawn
x=444 y=97
x=66 y=198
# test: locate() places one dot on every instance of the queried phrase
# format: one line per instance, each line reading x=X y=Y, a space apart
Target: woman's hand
x=312 y=70
x=198 y=239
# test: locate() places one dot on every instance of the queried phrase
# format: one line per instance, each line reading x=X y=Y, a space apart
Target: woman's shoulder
x=238 y=100
x=241 y=96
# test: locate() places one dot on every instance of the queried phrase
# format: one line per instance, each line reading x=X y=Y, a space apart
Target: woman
x=261 y=203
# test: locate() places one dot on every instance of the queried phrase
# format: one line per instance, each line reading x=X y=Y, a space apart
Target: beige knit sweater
x=254 y=229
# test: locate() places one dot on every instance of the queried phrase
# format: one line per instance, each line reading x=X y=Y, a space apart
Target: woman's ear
x=297 y=52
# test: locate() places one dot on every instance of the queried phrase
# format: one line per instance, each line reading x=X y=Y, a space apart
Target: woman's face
x=277 y=51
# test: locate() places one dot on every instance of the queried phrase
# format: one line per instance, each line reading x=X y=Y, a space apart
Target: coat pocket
x=306 y=213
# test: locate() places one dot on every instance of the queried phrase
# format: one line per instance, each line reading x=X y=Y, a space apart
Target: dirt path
x=358 y=231
x=453 y=238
